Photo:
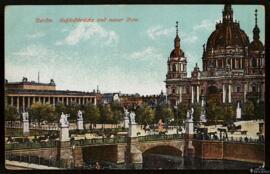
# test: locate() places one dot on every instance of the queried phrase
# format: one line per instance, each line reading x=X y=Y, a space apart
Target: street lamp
x=176 y=107
x=73 y=148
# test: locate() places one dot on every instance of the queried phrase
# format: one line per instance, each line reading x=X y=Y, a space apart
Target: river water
x=156 y=161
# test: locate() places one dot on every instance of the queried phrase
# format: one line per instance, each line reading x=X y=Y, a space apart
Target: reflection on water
x=156 y=161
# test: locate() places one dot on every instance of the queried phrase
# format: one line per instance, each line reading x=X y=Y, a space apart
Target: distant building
x=233 y=67
x=108 y=98
x=23 y=94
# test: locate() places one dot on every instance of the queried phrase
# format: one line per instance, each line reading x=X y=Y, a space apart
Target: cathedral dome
x=228 y=34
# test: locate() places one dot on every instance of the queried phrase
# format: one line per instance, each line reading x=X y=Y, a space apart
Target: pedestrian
x=98 y=166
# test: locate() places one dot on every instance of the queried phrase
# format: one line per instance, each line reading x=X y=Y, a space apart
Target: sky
x=119 y=48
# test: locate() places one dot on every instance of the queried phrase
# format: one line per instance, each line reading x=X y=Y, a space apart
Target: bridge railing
x=96 y=141
x=30 y=145
x=159 y=137
x=230 y=139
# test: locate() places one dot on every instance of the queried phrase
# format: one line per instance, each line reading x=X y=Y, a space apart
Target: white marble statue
x=25 y=116
x=132 y=116
x=79 y=115
x=25 y=123
x=238 y=111
x=188 y=114
x=63 y=120
x=126 y=118
x=203 y=117
x=79 y=120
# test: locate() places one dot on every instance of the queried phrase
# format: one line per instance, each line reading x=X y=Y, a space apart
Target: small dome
x=256 y=45
x=177 y=52
x=227 y=34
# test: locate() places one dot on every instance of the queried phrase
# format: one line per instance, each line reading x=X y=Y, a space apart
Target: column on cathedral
x=245 y=92
x=198 y=93
x=180 y=94
x=230 y=93
x=95 y=101
x=192 y=94
x=29 y=104
x=38 y=99
x=53 y=101
x=23 y=103
x=262 y=91
x=67 y=99
x=224 y=93
x=34 y=99
x=83 y=100
x=11 y=101
x=18 y=103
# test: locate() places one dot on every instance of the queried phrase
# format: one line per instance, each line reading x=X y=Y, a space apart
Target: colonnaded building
x=233 y=67
x=23 y=94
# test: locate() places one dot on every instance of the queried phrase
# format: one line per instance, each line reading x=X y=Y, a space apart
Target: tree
x=197 y=111
x=11 y=114
x=249 y=110
x=259 y=110
x=105 y=114
x=59 y=108
x=182 y=112
x=164 y=112
x=72 y=109
x=39 y=112
x=214 y=110
x=91 y=113
x=229 y=112
x=144 y=114
x=118 y=112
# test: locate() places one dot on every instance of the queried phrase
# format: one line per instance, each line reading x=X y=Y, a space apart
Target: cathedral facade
x=233 y=67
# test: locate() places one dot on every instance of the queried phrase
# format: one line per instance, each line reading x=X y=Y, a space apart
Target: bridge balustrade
x=160 y=137
x=30 y=145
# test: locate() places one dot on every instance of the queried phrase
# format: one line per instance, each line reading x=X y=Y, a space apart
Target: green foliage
x=91 y=113
x=182 y=112
x=106 y=115
x=39 y=112
x=249 y=110
x=11 y=113
x=118 y=112
x=72 y=109
x=164 y=112
x=259 y=110
x=144 y=114
x=197 y=111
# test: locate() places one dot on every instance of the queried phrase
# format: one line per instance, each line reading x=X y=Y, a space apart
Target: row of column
x=26 y=100
x=224 y=93
x=197 y=93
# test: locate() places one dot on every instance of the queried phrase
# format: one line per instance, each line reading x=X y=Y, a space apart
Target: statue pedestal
x=64 y=154
x=189 y=127
x=238 y=113
x=132 y=132
x=80 y=124
x=189 y=148
x=64 y=134
x=26 y=128
x=126 y=122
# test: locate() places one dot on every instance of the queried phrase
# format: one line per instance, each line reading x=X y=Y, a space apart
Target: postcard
x=135 y=87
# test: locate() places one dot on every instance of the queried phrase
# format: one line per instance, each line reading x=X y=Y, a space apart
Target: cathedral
x=233 y=67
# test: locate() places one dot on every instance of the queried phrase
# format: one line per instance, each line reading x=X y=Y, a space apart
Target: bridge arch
x=164 y=150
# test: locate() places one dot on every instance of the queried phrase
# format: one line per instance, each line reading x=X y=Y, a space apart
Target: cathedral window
x=174 y=67
x=173 y=91
x=238 y=89
x=187 y=90
x=253 y=88
x=254 y=62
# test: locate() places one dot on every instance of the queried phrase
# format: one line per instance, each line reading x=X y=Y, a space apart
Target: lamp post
x=176 y=107
x=73 y=148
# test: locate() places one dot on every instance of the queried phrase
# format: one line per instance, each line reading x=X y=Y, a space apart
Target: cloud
x=188 y=38
x=35 y=35
x=204 y=25
x=147 y=53
x=157 y=31
x=89 y=31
